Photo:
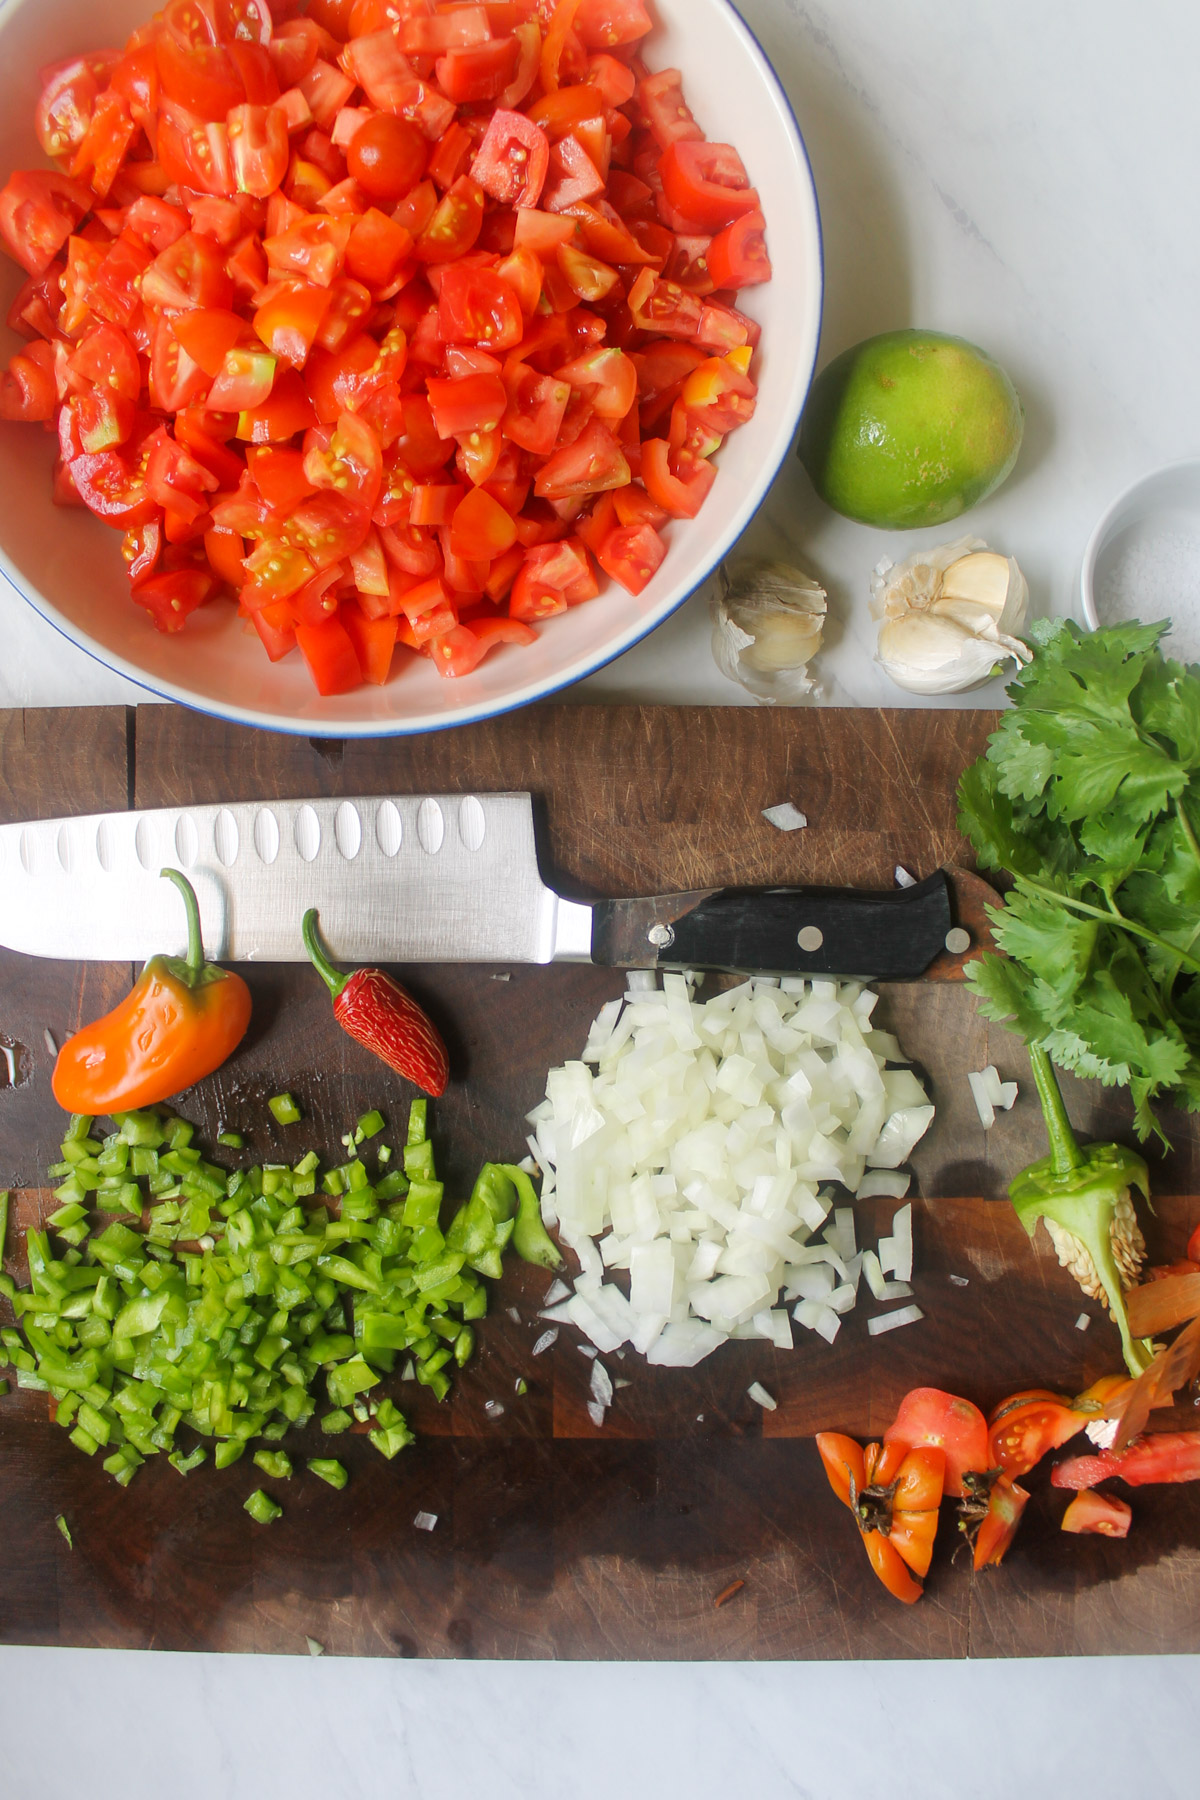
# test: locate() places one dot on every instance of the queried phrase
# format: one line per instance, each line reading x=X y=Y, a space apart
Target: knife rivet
x=958 y=941
x=661 y=936
x=811 y=938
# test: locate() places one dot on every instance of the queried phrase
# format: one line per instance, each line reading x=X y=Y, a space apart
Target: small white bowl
x=1143 y=559
x=68 y=565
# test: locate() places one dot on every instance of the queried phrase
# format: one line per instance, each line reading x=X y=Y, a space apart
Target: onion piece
x=760 y=1396
x=786 y=817
x=905 y=1315
x=425 y=1521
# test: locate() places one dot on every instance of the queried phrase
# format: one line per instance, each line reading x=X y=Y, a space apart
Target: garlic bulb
x=948 y=617
x=767 y=623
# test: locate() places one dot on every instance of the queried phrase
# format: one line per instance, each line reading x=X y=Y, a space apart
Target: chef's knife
x=411 y=878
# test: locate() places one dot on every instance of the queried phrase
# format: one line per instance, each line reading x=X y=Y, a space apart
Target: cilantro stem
x=1188 y=833
x=1113 y=917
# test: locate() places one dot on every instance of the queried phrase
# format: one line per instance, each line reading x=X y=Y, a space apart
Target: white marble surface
x=198 y=1728
x=1023 y=175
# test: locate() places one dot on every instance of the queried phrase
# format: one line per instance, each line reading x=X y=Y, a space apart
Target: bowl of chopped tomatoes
x=377 y=366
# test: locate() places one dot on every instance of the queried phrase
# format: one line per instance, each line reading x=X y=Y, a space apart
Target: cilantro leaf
x=1088 y=795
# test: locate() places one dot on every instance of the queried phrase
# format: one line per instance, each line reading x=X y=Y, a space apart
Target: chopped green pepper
x=285 y=1109
x=329 y=1471
x=262 y=1508
x=531 y=1241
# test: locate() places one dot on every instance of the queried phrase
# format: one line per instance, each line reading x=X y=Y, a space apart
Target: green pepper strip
x=530 y=1239
x=1078 y=1191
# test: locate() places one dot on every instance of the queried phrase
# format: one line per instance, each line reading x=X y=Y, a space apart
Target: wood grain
x=555 y=1539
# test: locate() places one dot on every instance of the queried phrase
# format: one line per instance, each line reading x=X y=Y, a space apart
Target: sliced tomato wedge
x=1103 y=1514
x=513 y=160
x=592 y=464
x=39 y=209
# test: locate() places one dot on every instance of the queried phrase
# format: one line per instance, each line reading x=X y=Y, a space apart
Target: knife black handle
x=779 y=931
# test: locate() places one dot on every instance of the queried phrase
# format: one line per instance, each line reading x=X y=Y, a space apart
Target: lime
x=910 y=428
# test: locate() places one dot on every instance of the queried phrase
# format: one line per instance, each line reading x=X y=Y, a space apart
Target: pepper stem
x=195 y=949
x=1065 y=1153
x=333 y=978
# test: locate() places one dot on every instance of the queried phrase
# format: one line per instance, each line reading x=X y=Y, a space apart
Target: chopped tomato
x=680 y=482
x=481 y=529
x=171 y=597
x=477 y=306
x=665 y=109
x=1160 y=1456
x=737 y=257
x=592 y=464
x=1027 y=1426
x=463 y=648
x=476 y=72
x=1101 y=1513
x=553 y=577
x=27 y=387
x=632 y=555
x=39 y=209
x=455 y=224
x=258 y=145
x=603 y=24
x=513 y=160
x=328 y=650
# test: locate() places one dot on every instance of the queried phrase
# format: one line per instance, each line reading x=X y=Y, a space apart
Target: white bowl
x=68 y=565
x=1143 y=559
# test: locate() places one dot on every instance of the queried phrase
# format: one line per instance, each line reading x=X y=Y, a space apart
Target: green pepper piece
x=1083 y=1196
x=530 y=1239
x=329 y=1470
x=262 y=1508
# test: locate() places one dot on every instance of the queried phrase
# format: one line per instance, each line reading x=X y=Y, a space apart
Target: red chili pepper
x=377 y=1013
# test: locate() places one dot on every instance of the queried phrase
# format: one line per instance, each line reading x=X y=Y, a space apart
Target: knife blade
x=417 y=878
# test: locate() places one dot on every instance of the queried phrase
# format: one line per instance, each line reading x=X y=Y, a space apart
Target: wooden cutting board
x=555 y=1539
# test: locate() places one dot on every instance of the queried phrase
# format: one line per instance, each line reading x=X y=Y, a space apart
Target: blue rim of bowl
x=316 y=727
x=1087 y=569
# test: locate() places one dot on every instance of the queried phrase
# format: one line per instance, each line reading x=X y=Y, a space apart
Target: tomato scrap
x=1101 y=1513
x=1160 y=1456
x=894 y=1494
x=471 y=271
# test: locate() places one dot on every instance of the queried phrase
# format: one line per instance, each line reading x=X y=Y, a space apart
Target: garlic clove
x=983 y=578
x=927 y=654
x=768 y=619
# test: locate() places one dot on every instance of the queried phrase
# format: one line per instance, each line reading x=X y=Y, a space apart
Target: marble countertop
x=1021 y=175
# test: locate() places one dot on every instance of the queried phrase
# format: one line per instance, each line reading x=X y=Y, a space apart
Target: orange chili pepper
x=181 y=1021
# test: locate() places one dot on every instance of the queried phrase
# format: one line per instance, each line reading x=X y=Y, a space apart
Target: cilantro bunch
x=1089 y=796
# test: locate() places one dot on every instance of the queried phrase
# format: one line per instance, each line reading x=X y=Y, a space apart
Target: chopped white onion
x=1103 y=1432
x=760 y=1396
x=785 y=817
x=601 y=1383
x=905 y=1315
x=596 y=1413
x=815 y=1316
x=959 y=1280
x=903 y=878
x=544 y=1342
x=687 y=1148
x=983 y=1104
x=1082 y=1322
x=493 y=1409
x=513 y=1314
x=409 y=1371
x=883 y=1184
x=425 y=1521
x=898 y=1260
